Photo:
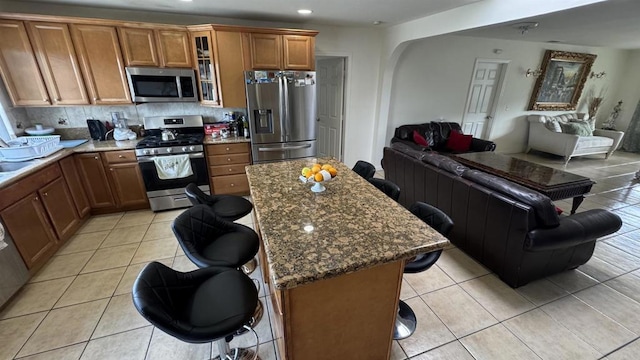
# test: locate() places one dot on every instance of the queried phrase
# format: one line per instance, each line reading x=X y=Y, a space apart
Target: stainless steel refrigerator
x=282 y=114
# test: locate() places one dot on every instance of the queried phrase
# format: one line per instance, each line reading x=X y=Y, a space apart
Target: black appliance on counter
x=188 y=135
x=97 y=129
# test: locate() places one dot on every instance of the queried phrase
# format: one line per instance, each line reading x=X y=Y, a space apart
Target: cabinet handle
x=46 y=194
x=232 y=184
x=45 y=99
x=95 y=157
x=120 y=156
x=95 y=99
x=228 y=159
x=57 y=99
x=35 y=198
x=230 y=169
x=227 y=149
x=110 y=169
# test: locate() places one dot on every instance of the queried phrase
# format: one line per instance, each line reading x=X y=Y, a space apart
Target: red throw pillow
x=459 y=142
x=419 y=139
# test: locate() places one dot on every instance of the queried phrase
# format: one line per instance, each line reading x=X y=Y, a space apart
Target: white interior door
x=330 y=73
x=482 y=95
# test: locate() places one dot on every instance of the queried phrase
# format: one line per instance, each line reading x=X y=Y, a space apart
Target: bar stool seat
x=204 y=305
x=406 y=321
x=229 y=207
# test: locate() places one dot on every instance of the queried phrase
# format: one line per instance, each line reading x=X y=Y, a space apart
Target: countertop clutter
x=351 y=226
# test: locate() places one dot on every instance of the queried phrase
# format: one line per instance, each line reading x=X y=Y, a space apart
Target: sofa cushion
x=587 y=142
x=545 y=211
x=553 y=125
x=419 y=139
x=459 y=142
x=576 y=128
x=591 y=123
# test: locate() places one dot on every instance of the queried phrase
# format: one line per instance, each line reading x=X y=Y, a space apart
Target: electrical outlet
x=62 y=121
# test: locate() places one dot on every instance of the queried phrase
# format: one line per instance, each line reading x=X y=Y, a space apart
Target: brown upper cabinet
x=150 y=47
x=58 y=63
x=174 y=48
x=204 y=57
x=219 y=67
x=138 y=47
x=263 y=51
x=18 y=66
x=102 y=65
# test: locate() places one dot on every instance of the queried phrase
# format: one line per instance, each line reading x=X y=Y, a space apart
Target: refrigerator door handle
x=282 y=91
x=285 y=148
x=285 y=99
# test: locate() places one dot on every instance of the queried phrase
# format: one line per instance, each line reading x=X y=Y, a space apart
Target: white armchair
x=543 y=139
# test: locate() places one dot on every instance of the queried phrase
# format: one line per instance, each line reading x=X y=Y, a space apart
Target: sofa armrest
x=573 y=230
x=615 y=135
x=478 y=145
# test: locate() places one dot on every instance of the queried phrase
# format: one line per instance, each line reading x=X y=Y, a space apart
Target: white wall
x=628 y=90
x=362 y=48
x=432 y=80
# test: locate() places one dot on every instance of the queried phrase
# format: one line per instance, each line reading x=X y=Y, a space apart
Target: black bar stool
x=228 y=207
x=209 y=240
x=364 y=169
x=209 y=304
x=392 y=190
x=406 y=319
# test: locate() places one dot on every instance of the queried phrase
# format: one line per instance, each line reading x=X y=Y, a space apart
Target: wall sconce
x=534 y=73
x=599 y=75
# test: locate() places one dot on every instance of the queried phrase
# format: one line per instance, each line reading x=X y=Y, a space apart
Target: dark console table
x=556 y=184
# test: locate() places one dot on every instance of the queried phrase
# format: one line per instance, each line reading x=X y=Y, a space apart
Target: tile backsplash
x=76 y=116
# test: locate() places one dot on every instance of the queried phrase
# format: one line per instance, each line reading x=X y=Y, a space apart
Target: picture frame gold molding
x=556 y=91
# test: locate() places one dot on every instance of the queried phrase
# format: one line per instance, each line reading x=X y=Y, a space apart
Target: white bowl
x=43 y=131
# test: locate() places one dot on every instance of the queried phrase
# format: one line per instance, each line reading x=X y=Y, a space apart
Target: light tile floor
x=79 y=305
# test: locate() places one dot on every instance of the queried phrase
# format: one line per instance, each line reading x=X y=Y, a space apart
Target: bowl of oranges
x=318 y=174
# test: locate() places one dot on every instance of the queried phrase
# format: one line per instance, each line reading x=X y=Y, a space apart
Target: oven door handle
x=285 y=148
x=145 y=159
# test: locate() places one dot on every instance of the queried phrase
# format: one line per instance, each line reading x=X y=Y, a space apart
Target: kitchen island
x=333 y=261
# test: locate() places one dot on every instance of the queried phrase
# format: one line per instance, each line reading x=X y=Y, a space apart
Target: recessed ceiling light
x=187 y=0
x=377 y=22
x=304 y=12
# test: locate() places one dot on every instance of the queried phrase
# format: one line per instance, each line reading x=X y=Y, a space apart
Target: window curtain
x=631 y=140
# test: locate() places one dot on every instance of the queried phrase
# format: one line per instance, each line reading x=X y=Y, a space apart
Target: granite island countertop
x=351 y=226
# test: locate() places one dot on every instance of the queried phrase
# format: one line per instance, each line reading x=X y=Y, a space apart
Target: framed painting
x=560 y=85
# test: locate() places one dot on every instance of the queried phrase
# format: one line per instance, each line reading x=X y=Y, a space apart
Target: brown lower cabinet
x=112 y=181
x=226 y=167
x=40 y=215
x=27 y=222
x=128 y=185
x=70 y=173
x=95 y=182
x=57 y=200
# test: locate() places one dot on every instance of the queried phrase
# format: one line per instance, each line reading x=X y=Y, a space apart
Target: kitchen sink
x=13 y=166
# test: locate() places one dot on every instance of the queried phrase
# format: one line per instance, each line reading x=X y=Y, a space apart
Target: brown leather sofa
x=436 y=134
x=514 y=231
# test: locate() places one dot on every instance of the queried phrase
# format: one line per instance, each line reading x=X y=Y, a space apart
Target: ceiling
x=613 y=24
x=333 y=12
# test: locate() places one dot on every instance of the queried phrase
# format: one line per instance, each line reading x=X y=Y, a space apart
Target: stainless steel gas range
x=171 y=156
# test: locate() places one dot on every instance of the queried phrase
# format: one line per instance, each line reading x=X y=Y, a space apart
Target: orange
x=310 y=176
x=333 y=172
x=326 y=167
x=319 y=177
x=318 y=165
x=315 y=169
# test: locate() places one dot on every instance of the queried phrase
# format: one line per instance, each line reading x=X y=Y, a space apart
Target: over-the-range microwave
x=161 y=84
